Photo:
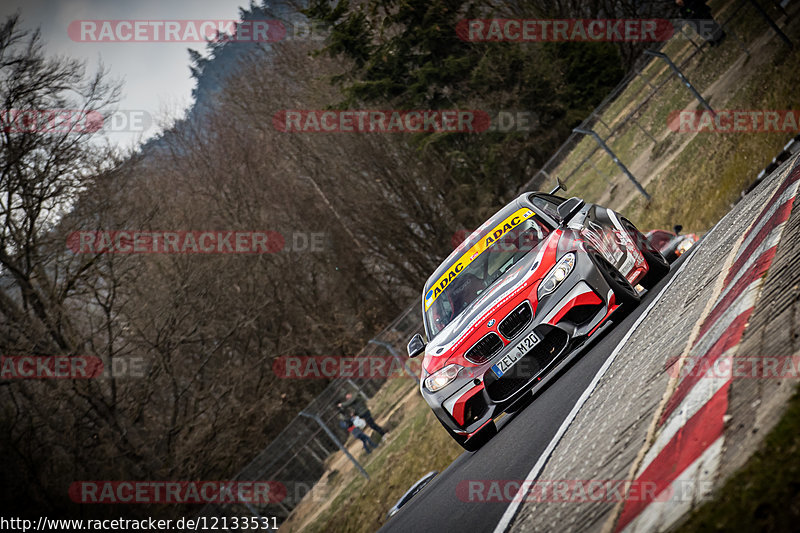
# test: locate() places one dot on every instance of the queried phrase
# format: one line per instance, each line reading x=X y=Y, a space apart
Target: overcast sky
x=155 y=75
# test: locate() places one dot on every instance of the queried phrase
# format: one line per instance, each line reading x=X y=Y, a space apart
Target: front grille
x=529 y=366
x=516 y=321
x=484 y=349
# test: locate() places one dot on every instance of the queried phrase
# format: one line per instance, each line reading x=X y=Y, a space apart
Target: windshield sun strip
x=513 y=220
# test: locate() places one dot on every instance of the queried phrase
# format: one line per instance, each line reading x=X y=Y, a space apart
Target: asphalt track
x=512 y=453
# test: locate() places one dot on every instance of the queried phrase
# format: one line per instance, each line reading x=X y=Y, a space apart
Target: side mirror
x=678 y=228
x=559 y=185
x=416 y=345
x=570 y=208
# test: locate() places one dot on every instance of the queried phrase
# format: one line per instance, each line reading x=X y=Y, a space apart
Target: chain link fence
x=618 y=121
x=296 y=459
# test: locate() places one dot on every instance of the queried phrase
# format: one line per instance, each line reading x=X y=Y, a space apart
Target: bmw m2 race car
x=516 y=298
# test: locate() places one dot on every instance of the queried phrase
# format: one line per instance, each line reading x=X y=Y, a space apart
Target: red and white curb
x=525 y=487
x=684 y=458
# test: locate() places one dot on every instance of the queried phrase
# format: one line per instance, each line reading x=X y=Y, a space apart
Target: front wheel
x=624 y=292
x=657 y=268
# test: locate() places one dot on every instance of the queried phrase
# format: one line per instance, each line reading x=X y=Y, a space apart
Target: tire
x=624 y=292
x=657 y=268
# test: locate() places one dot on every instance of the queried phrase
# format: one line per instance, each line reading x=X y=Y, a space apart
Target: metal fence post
x=397 y=356
x=319 y=421
x=615 y=159
x=680 y=75
x=356 y=387
x=772 y=24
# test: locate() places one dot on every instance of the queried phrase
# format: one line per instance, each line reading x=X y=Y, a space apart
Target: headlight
x=684 y=245
x=556 y=275
x=442 y=378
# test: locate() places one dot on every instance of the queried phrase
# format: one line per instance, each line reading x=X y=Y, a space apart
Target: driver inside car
x=465 y=290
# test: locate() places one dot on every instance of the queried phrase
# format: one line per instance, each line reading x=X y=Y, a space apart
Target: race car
x=672 y=245
x=520 y=295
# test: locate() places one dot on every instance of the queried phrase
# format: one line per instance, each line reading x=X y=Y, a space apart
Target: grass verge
x=694 y=180
x=416 y=445
x=702 y=182
x=764 y=495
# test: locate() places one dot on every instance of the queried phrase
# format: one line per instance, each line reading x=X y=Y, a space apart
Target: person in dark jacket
x=346 y=422
x=358 y=406
x=698 y=12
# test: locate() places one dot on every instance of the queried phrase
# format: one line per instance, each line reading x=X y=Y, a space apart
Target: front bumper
x=562 y=321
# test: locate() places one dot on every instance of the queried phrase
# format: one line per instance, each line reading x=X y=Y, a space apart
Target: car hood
x=525 y=273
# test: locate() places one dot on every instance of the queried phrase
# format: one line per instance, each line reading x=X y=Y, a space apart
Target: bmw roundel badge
x=490 y=323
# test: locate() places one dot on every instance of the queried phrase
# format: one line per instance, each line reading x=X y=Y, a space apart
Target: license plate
x=523 y=347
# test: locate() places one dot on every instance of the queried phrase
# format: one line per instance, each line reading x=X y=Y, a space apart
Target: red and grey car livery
x=519 y=295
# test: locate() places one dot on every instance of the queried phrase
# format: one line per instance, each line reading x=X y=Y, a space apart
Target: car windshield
x=484 y=270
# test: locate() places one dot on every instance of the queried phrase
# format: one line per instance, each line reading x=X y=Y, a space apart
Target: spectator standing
x=346 y=422
x=358 y=406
